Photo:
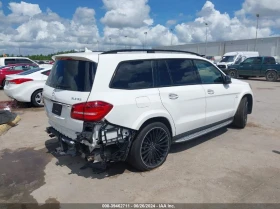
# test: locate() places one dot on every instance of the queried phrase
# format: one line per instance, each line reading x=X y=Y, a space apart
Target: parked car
x=129 y=105
x=232 y=58
x=27 y=86
x=18 y=60
x=256 y=67
x=13 y=69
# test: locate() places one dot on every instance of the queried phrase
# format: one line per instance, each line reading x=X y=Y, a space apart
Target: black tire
x=233 y=73
x=35 y=98
x=271 y=76
x=240 y=118
x=150 y=148
x=3 y=83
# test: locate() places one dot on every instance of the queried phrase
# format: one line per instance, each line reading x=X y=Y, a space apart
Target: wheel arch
x=250 y=102
x=271 y=70
x=34 y=92
x=165 y=119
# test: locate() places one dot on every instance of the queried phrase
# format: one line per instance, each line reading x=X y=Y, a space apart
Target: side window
x=269 y=61
x=18 y=68
x=10 y=61
x=257 y=61
x=249 y=61
x=33 y=66
x=133 y=75
x=24 y=61
x=208 y=73
x=162 y=74
x=25 y=67
x=182 y=72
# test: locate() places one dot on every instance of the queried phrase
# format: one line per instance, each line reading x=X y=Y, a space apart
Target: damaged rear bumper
x=98 y=142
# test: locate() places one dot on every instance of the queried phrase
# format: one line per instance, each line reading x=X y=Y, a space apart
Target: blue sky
x=70 y=24
x=161 y=10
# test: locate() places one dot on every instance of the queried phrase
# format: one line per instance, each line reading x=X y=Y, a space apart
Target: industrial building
x=265 y=46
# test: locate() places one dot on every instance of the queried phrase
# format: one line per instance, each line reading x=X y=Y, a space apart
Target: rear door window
x=269 y=61
x=162 y=78
x=182 y=72
x=136 y=74
x=10 y=61
x=72 y=75
x=18 y=68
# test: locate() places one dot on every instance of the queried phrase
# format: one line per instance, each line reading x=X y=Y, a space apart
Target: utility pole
x=171 y=30
x=206 y=39
x=125 y=41
x=258 y=16
x=110 y=43
x=145 y=40
x=19 y=51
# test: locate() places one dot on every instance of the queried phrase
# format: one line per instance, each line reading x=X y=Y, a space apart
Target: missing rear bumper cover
x=100 y=142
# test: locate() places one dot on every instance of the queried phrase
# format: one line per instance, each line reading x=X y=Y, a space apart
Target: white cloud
x=24 y=8
x=125 y=23
x=220 y=27
x=35 y=29
x=126 y=13
x=262 y=7
x=171 y=22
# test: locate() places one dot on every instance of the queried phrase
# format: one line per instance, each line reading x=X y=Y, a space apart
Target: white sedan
x=27 y=86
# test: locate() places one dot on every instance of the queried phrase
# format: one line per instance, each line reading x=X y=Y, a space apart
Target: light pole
x=125 y=41
x=206 y=24
x=171 y=30
x=258 y=16
x=110 y=43
x=97 y=45
x=145 y=39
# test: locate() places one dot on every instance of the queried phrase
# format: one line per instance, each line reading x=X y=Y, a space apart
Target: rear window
x=133 y=75
x=72 y=75
x=269 y=60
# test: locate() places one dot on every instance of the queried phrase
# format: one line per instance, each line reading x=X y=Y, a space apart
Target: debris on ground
x=7 y=120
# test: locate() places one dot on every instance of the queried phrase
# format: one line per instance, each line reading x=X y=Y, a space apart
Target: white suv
x=133 y=104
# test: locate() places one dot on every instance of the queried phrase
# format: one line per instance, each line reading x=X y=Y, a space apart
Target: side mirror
x=227 y=79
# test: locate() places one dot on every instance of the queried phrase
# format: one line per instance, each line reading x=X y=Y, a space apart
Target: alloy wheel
x=39 y=98
x=155 y=147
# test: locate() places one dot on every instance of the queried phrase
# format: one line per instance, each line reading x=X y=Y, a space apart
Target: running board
x=203 y=132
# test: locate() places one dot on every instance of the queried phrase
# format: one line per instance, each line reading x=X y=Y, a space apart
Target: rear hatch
x=70 y=82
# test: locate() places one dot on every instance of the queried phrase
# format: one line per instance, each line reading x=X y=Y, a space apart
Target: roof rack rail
x=149 y=51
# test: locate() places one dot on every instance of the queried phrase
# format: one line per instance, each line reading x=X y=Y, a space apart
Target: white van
x=231 y=58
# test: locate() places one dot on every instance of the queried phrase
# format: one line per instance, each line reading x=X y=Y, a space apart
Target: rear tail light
x=20 y=80
x=90 y=111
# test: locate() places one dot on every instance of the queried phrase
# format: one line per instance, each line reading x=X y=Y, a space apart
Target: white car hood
x=225 y=63
x=236 y=81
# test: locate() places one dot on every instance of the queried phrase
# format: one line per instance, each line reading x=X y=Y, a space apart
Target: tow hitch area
x=99 y=144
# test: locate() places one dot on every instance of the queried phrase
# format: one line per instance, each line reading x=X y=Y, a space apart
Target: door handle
x=210 y=91
x=173 y=96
